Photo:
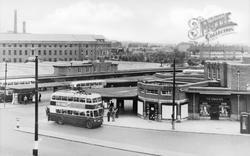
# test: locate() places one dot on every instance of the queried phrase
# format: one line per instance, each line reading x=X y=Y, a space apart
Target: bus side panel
x=54 y=117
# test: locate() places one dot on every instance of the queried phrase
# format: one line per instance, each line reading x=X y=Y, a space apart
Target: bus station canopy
x=117 y=92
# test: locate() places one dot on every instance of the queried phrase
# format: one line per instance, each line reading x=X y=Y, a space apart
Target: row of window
x=94 y=113
x=50 y=52
x=39 y=52
x=77 y=99
x=49 y=59
x=155 y=92
x=52 y=45
x=213 y=73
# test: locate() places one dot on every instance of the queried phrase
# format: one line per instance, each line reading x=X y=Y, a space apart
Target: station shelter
x=123 y=98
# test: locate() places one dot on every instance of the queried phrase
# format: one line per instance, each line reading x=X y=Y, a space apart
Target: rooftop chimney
x=24 y=27
x=15 y=21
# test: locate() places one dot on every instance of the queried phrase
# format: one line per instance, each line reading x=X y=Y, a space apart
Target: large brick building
x=52 y=47
x=223 y=93
x=228 y=93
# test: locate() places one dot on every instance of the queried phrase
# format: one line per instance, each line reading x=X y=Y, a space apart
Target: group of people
x=112 y=112
x=31 y=98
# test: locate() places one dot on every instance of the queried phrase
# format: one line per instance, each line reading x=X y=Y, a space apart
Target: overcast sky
x=162 y=21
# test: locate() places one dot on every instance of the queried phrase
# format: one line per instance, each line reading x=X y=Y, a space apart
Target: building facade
x=52 y=47
x=228 y=93
x=155 y=101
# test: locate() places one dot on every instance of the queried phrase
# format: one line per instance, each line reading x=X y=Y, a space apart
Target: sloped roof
x=48 y=37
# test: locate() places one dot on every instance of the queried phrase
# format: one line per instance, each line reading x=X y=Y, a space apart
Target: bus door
x=151 y=112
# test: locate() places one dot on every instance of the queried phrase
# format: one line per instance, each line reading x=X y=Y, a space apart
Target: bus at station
x=88 y=84
x=13 y=82
x=76 y=108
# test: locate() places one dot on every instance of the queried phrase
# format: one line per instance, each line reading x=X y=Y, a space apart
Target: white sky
x=162 y=21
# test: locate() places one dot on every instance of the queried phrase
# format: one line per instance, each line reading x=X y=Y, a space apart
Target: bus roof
x=72 y=93
x=18 y=80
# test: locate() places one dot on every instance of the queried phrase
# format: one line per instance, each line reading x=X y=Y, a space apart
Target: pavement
x=220 y=127
x=103 y=143
x=211 y=127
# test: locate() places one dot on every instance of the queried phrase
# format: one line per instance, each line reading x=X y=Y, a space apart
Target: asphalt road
x=14 y=143
x=18 y=143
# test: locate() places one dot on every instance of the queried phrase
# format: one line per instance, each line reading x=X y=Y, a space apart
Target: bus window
x=82 y=114
x=101 y=112
x=15 y=83
x=89 y=100
x=90 y=106
x=76 y=113
x=95 y=100
x=87 y=84
x=53 y=97
x=95 y=113
x=78 y=85
x=87 y=113
x=76 y=99
x=58 y=97
x=82 y=100
x=64 y=111
x=69 y=112
x=91 y=113
x=58 y=111
x=99 y=99
x=52 y=103
x=70 y=98
x=64 y=98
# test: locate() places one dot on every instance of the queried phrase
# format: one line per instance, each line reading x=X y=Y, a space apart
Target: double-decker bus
x=12 y=82
x=88 y=84
x=76 y=107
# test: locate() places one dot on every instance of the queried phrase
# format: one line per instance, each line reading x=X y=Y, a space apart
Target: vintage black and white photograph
x=124 y=77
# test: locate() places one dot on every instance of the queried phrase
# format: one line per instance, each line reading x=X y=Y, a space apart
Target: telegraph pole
x=173 y=108
x=5 y=78
x=35 y=150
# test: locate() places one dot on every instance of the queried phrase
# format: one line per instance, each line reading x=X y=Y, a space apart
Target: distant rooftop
x=48 y=37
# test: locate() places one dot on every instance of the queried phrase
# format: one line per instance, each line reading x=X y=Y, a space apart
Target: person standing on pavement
x=108 y=115
x=39 y=97
x=117 y=112
x=25 y=99
x=113 y=113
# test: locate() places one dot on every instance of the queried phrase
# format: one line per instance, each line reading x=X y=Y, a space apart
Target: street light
x=35 y=150
x=238 y=88
x=173 y=107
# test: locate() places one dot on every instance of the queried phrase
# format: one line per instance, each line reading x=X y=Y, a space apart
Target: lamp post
x=35 y=150
x=238 y=88
x=173 y=106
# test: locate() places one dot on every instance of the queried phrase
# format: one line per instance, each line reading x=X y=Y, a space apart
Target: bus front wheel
x=60 y=121
x=89 y=124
